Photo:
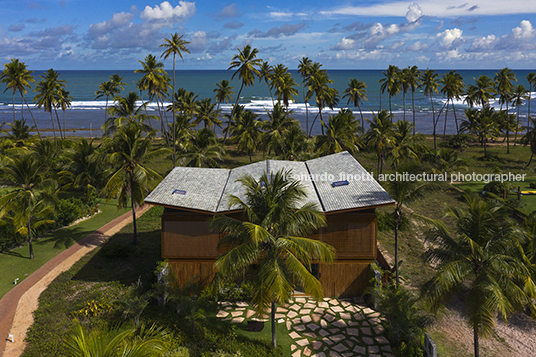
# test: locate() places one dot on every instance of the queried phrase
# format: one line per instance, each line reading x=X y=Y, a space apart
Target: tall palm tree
x=285 y=86
x=481 y=258
x=453 y=88
x=18 y=78
x=390 y=83
x=325 y=96
x=48 y=92
x=271 y=236
x=106 y=89
x=505 y=88
x=126 y=111
x=247 y=67
x=274 y=129
x=518 y=95
x=356 y=92
x=130 y=178
x=342 y=133
x=28 y=204
x=207 y=113
x=531 y=78
x=412 y=77
x=246 y=132
x=405 y=145
x=266 y=73
x=175 y=45
x=224 y=92
x=64 y=102
x=430 y=84
x=482 y=92
x=304 y=69
x=380 y=135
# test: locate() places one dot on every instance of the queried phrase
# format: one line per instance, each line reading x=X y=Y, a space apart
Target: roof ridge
x=314 y=186
x=223 y=190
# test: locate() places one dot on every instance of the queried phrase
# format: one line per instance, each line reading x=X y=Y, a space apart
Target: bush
x=454 y=141
x=496 y=187
x=386 y=222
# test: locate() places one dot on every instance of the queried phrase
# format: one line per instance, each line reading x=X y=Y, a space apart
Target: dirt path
x=18 y=305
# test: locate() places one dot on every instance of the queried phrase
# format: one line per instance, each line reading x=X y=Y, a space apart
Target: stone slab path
x=329 y=328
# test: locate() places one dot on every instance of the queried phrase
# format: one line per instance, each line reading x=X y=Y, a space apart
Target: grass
x=17 y=264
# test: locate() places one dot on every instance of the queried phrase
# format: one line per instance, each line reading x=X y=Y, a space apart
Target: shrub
x=386 y=222
x=454 y=141
x=496 y=187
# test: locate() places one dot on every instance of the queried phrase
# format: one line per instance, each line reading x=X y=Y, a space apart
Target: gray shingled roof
x=210 y=189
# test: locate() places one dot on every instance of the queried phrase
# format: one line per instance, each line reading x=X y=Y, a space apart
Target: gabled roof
x=209 y=190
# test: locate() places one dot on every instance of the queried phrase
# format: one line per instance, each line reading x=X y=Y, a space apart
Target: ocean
x=86 y=115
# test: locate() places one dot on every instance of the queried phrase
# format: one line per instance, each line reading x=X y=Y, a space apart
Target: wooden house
x=337 y=184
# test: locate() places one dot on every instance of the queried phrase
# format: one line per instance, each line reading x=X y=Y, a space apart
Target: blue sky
x=116 y=34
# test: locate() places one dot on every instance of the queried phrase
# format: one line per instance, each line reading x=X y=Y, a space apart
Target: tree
x=481 y=93
x=245 y=132
x=531 y=78
x=297 y=145
x=530 y=137
x=17 y=78
x=224 y=92
x=518 y=95
x=124 y=112
x=505 y=88
x=356 y=92
x=175 y=45
x=278 y=123
x=19 y=135
x=28 y=205
x=202 y=150
x=342 y=132
x=284 y=85
x=265 y=73
x=304 y=69
x=412 y=77
x=405 y=192
x=324 y=95
x=109 y=89
x=207 y=113
x=64 y=102
x=380 y=135
x=391 y=84
x=430 y=84
x=247 y=67
x=131 y=178
x=405 y=145
x=482 y=258
x=270 y=236
x=453 y=87
x=48 y=93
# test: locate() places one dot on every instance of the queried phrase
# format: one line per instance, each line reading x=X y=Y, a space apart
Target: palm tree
x=64 y=101
x=391 y=84
x=202 y=150
x=453 y=87
x=482 y=92
x=183 y=131
x=48 y=93
x=266 y=73
x=504 y=87
x=131 y=178
x=110 y=89
x=324 y=95
x=28 y=204
x=207 y=113
x=482 y=258
x=284 y=84
x=405 y=192
x=175 y=45
x=224 y=92
x=518 y=95
x=246 y=132
x=18 y=78
x=448 y=161
x=531 y=78
x=270 y=236
x=297 y=145
x=356 y=92
x=19 y=135
x=530 y=137
x=412 y=77
x=404 y=145
x=124 y=112
x=342 y=132
x=304 y=69
x=380 y=135
x=247 y=66
x=430 y=84
x=278 y=123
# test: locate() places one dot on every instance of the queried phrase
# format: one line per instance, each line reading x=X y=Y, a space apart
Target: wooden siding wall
x=344 y=278
x=186 y=271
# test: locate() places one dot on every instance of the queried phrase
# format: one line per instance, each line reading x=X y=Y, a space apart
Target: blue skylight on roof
x=178 y=192
x=340 y=183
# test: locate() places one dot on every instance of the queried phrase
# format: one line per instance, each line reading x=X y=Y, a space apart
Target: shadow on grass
x=14 y=254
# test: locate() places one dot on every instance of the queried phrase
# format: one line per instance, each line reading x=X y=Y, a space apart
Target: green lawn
x=17 y=264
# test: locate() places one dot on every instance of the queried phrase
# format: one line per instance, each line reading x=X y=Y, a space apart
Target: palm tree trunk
x=63 y=122
x=306 y=112
x=232 y=113
x=312 y=125
x=321 y=120
x=133 y=205
x=362 y=119
x=173 y=111
x=13 y=103
x=445 y=126
x=433 y=119
x=106 y=109
x=274 y=340
x=413 y=105
x=380 y=101
x=457 y=129
x=35 y=123
x=397 y=223
x=528 y=112
x=59 y=123
x=530 y=160
x=515 y=136
x=476 y=344
x=53 y=129
x=404 y=103
x=28 y=226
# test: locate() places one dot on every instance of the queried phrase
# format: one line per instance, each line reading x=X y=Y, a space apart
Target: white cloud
x=118 y=20
x=450 y=38
x=167 y=12
x=198 y=42
x=521 y=37
x=345 y=44
x=524 y=31
x=414 y=12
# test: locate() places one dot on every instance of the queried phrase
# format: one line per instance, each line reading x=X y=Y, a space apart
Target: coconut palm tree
x=247 y=67
x=202 y=150
x=284 y=84
x=304 y=69
x=430 y=84
x=64 y=102
x=265 y=73
x=448 y=161
x=184 y=131
x=356 y=92
x=453 y=88
x=324 y=95
x=274 y=129
x=531 y=78
x=505 y=88
x=106 y=89
x=131 y=179
x=175 y=45
x=20 y=134
x=481 y=93
x=391 y=84
x=405 y=146
x=482 y=259
x=342 y=133
x=270 y=236
x=530 y=137
x=48 y=92
x=412 y=77
x=246 y=132
x=207 y=113
x=380 y=135
x=28 y=204
x=518 y=95
x=224 y=92
x=296 y=145
x=18 y=78
x=126 y=111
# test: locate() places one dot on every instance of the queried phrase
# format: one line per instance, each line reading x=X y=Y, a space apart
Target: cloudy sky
x=353 y=34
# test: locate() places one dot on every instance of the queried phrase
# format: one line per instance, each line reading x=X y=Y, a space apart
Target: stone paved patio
x=330 y=328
